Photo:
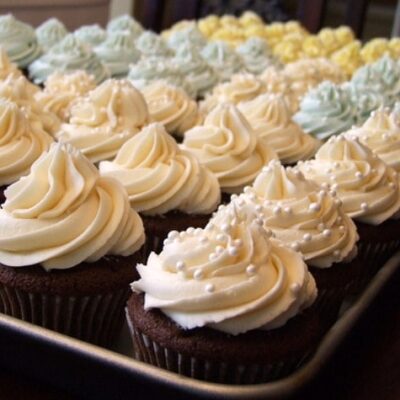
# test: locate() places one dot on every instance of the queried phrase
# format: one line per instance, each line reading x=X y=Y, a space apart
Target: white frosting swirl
x=63 y=213
x=105 y=119
x=159 y=177
x=228 y=277
x=270 y=117
x=228 y=146
x=302 y=215
x=368 y=188
x=172 y=107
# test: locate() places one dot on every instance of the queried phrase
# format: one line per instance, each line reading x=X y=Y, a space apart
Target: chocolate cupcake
x=224 y=304
x=68 y=246
x=166 y=185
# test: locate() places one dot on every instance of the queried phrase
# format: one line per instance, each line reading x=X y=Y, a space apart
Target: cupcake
x=165 y=184
x=348 y=57
x=369 y=191
x=68 y=243
x=152 y=45
x=256 y=55
x=62 y=90
x=229 y=306
x=381 y=133
x=325 y=111
x=50 y=33
x=224 y=59
x=93 y=35
x=270 y=117
x=125 y=23
x=310 y=220
x=6 y=67
x=227 y=145
x=189 y=35
x=117 y=52
x=19 y=41
x=22 y=141
x=172 y=107
x=67 y=56
x=105 y=119
x=242 y=87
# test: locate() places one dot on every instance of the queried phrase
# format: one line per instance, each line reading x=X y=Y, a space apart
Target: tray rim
x=277 y=389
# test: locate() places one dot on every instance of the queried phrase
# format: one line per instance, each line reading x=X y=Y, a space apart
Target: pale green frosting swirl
x=91 y=34
x=256 y=55
x=151 y=44
x=125 y=23
x=190 y=35
x=69 y=55
x=19 y=40
x=117 y=52
x=224 y=59
x=326 y=111
x=197 y=72
x=50 y=32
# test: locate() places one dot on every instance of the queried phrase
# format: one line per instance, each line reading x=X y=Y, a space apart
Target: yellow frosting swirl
x=105 y=119
x=368 y=188
x=229 y=276
x=21 y=142
x=159 y=177
x=63 y=213
x=270 y=117
x=229 y=147
x=348 y=57
x=172 y=107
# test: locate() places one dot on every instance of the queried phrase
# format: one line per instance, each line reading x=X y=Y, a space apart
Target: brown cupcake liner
x=149 y=351
x=96 y=318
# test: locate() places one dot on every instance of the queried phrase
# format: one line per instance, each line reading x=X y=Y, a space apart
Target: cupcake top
x=256 y=283
x=368 y=188
x=256 y=55
x=50 y=32
x=223 y=58
x=7 y=67
x=270 y=117
x=64 y=213
x=117 y=52
x=127 y=24
x=172 y=107
x=381 y=134
x=242 y=87
x=22 y=141
x=62 y=90
x=68 y=55
x=93 y=35
x=227 y=145
x=22 y=92
x=195 y=69
x=19 y=40
x=152 y=45
x=302 y=215
x=189 y=35
x=325 y=111
x=105 y=119
x=160 y=177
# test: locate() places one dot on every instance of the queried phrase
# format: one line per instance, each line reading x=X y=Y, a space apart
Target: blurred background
x=374 y=18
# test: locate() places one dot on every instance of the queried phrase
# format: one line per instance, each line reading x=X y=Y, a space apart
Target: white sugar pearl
x=364 y=206
x=295 y=246
x=314 y=207
x=210 y=288
x=203 y=240
x=295 y=288
x=247 y=189
x=287 y=210
x=225 y=228
x=277 y=210
x=221 y=237
x=307 y=237
x=336 y=253
x=321 y=227
x=198 y=274
x=238 y=242
x=180 y=265
x=359 y=175
x=219 y=249
x=250 y=270
x=232 y=251
x=327 y=233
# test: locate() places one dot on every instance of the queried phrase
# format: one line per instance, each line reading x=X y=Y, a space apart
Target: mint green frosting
x=325 y=111
x=190 y=35
x=18 y=40
x=151 y=44
x=67 y=56
x=93 y=35
x=151 y=69
x=194 y=68
x=125 y=23
x=223 y=58
x=117 y=53
x=50 y=32
x=257 y=56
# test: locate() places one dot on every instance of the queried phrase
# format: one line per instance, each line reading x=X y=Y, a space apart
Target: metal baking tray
x=91 y=371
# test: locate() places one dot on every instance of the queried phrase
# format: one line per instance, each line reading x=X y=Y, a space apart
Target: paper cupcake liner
x=147 y=350
x=92 y=318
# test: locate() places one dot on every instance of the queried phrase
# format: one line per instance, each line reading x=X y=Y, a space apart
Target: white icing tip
x=258 y=208
x=247 y=189
x=221 y=237
x=336 y=254
x=212 y=256
x=210 y=288
x=173 y=234
x=167 y=242
x=190 y=231
x=251 y=270
x=198 y=274
x=203 y=240
x=219 y=249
